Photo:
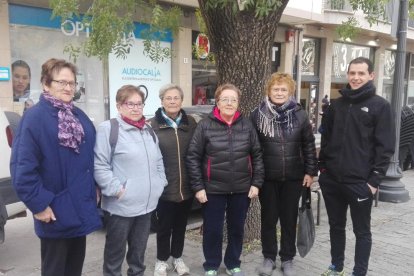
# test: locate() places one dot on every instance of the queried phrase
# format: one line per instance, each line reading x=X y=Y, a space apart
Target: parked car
x=10 y=205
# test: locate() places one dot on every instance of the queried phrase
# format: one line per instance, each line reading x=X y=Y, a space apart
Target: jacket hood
x=364 y=92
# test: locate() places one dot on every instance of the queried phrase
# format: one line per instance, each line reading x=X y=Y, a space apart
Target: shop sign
x=4 y=74
x=138 y=69
x=342 y=54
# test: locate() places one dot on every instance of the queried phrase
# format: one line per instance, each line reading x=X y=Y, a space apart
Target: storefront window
x=34 y=38
x=342 y=54
x=204 y=76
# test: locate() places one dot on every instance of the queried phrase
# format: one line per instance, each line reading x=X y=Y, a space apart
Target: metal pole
x=392 y=189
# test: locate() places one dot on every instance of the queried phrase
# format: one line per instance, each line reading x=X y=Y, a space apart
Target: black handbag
x=306 y=226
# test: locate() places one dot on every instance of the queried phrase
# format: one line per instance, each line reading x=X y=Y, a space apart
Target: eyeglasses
x=62 y=83
x=283 y=90
x=170 y=99
x=229 y=100
x=131 y=105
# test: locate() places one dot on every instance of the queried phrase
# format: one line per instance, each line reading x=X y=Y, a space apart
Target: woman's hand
x=307 y=180
x=46 y=215
x=254 y=192
x=121 y=193
x=201 y=196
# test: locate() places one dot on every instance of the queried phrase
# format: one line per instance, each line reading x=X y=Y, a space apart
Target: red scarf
x=138 y=124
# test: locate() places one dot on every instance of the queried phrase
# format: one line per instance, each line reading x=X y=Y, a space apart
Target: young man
x=357 y=143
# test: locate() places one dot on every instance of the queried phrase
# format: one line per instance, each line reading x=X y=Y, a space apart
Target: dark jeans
x=279 y=200
x=235 y=206
x=172 y=223
x=62 y=256
x=121 y=231
x=338 y=196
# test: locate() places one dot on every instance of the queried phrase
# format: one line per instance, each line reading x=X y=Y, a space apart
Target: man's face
x=358 y=75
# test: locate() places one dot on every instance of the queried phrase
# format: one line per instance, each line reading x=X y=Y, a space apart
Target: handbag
x=306 y=226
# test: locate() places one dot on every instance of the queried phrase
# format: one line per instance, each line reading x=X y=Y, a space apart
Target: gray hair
x=168 y=87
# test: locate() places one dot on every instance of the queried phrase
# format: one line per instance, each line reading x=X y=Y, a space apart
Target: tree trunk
x=242 y=45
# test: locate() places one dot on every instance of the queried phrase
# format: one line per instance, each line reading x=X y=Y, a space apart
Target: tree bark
x=242 y=44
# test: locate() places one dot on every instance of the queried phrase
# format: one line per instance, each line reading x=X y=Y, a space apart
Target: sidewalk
x=392 y=252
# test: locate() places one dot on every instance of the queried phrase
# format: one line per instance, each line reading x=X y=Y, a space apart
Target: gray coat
x=137 y=165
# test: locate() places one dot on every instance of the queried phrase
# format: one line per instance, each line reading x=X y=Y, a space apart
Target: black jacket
x=358 y=137
x=292 y=154
x=225 y=159
x=173 y=145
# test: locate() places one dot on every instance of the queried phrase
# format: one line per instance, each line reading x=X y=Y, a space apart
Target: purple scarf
x=70 y=129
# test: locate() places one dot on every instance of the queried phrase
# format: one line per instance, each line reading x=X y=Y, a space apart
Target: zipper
x=179 y=163
x=149 y=170
x=343 y=140
x=283 y=157
x=231 y=151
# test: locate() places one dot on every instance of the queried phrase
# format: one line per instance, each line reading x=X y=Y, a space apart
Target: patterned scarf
x=172 y=123
x=273 y=117
x=138 y=124
x=70 y=129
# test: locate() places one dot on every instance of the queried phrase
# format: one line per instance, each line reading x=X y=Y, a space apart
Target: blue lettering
x=141 y=72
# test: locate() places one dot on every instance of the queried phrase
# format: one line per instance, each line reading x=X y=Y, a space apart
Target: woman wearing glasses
x=174 y=130
x=131 y=178
x=52 y=171
x=289 y=158
x=224 y=162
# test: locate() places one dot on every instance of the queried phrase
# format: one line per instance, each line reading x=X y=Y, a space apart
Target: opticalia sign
x=70 y=28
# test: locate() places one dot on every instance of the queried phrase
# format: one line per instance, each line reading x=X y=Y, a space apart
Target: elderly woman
x=21 y=80
x=225 y=166
x=174 y=130
x=131 y=177
x=51 y=169
x=289 y=158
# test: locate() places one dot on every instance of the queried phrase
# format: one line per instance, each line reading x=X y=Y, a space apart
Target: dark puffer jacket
x=174 y=144
x=291 y=155
x=225 y=159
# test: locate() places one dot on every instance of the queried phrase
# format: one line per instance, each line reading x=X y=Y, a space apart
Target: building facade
x=306 y=45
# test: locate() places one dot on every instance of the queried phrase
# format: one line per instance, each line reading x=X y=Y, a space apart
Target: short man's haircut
x=360 y=60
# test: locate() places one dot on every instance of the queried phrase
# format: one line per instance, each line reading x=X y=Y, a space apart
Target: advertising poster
x=138 y=69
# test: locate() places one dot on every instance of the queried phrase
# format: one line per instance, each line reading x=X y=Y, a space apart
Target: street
x=392 y=251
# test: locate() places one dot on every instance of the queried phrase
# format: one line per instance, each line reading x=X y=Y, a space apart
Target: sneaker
x=267 y=267
x=180 y=267
x=235 y=271
x=332 y=272
x=161 y=268
x=287 y=268
x=211 y=272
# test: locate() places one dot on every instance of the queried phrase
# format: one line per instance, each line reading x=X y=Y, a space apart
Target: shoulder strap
x=151 y=132
x=113 y=136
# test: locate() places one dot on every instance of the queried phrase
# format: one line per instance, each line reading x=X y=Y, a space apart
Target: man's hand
x=46 y=215
x=373 y=189
x=201 y=196
x=254 y=192
x=307 y=180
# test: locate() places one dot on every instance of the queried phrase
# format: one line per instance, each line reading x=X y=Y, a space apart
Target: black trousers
x=62 y=256
x=172 y=223
x=279 y=200
x=338 y=196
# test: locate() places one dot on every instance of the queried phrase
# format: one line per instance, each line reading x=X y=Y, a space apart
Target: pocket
x=67 y=217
